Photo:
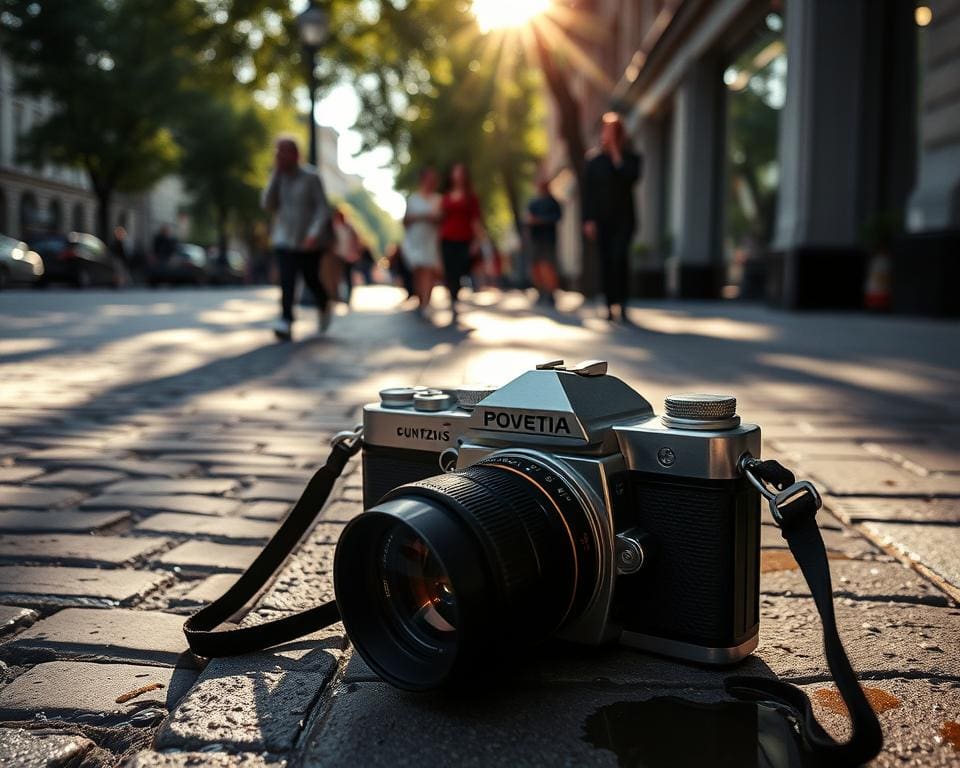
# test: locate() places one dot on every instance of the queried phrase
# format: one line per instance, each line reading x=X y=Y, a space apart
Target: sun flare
x=501 y=14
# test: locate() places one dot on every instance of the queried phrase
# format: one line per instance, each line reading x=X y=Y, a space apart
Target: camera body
x=672 y=527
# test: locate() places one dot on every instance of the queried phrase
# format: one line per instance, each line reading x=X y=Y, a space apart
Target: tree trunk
x=222 y=235
x=103 y=212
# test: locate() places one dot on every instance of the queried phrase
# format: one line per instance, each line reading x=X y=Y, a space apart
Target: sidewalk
x=183 y=470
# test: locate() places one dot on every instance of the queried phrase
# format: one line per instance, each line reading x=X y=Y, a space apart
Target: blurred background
x=803 y=153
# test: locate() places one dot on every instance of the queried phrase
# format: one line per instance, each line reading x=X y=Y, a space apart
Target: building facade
x=57 y=199
x=806 y=152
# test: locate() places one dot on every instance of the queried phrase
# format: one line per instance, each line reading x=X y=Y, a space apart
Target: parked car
x=187 y=265
x=18 y=264
x=77 y=258
x=230 y=271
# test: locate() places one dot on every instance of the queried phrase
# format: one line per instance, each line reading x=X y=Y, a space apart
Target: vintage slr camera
x=557 y=505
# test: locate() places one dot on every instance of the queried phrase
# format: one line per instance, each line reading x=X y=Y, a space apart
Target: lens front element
x=417 y=589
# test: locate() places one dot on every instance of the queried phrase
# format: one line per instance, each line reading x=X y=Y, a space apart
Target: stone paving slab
x=48 y=585
x=67 y=548
x=226 y=458
x=103 y=635
x=858 y=509
x=200 y=486
x=13 y=618
x=209 y=556
x=256 y=702
x=73 y=456
x=880 y=638
x=265 y=510
x=79 y=477
x=929 y=457
x=195 y=505
x=18 y=474
x=183 y=446
x=28 y=749
x=877 y=477
x=274 y=491
x=865 y=580
x=207 y=590
x=206 y=759
x=13 y=496
x=234 y=528
x=132 y=467
x=936 y=546
x=59 y=521
x=307 y=580
x=88 y=692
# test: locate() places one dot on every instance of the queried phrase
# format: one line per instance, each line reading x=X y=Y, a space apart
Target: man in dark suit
x=609 y=211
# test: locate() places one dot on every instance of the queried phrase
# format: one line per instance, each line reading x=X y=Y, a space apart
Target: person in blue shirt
x=543 y=213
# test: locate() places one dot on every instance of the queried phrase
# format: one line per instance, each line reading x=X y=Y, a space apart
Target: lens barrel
x=444 y=573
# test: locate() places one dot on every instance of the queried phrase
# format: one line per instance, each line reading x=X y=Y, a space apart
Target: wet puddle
x=667 y=731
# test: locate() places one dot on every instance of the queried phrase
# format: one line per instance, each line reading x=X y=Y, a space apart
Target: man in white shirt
x=301 y=214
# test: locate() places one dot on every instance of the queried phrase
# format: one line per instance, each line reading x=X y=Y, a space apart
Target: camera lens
x=418 y=588
x=442 y=573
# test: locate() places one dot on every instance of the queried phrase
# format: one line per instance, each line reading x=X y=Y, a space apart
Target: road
x=171 y=427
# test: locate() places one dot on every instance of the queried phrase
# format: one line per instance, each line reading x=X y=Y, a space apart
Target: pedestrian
x=421 y=239
x=460 y=229
x=543 y=213
x=338 y=262
x=609 y=213
x=164 y=246
x=296 y=198
x=121 y=259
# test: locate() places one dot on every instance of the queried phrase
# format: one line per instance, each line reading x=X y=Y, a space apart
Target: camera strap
x=794 y=508
x=793 y=505
x=201 y=629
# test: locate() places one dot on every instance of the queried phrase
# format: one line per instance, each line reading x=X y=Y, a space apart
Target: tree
x=221 y=139
x=113 y=73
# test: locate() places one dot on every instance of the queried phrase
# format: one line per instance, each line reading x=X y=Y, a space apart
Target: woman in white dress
x=421 y=242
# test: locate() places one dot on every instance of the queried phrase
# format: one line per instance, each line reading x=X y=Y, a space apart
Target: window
x=79 y=219
x=56 y=215
x=28 y=213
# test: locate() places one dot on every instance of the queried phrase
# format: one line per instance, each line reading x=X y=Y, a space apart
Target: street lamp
x=312 y=24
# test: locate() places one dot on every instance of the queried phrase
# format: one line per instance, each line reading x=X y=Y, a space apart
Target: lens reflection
x=417 y=589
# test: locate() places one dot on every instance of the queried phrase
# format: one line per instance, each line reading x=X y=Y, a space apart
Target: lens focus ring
x=502 y=524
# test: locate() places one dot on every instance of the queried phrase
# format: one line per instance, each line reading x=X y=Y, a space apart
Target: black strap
x=796 y=515
x=201 y=629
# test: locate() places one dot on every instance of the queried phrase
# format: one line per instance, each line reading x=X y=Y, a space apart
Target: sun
x=501 y=14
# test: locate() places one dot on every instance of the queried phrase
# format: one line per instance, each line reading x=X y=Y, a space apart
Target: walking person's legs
x=605 y=252
x=309 y=265
x=287 y=267
x=423 y=283
x=456 y=261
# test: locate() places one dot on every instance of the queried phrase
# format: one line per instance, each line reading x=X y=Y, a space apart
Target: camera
x=558 y=505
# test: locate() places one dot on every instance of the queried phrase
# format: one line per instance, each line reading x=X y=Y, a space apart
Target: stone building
x=55 y=198
x=800 y=151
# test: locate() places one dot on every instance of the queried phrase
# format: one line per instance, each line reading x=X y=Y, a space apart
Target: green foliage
x=438 y=92
x=379 y=228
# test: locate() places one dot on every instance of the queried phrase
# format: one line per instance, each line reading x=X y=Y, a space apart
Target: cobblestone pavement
x=152 y=440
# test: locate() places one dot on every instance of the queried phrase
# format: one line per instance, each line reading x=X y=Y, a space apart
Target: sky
x=339 y=109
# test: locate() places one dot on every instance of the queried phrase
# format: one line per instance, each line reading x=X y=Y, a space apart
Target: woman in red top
x=459 y=228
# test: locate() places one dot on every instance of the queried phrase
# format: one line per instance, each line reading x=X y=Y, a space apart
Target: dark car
x=77 y=258
x=187 y=265
x=18 y=264
x=229 y=271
